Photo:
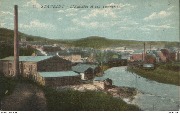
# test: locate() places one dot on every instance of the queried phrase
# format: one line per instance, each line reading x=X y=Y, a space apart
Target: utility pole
x=16 y=43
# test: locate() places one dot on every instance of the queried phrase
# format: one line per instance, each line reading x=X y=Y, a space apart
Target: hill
x=6 y=44
x=8 y=35
x=102 y=42
x=92 y=41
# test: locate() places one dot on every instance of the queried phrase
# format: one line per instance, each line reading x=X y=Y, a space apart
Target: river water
x=153 y=95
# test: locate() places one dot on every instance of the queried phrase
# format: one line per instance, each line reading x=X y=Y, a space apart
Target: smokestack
x=16 y=44
x=144 y=51
x=178 y=57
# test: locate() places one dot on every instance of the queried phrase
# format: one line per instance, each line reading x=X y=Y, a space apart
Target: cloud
x=72 y=29
x=69 y=12
x=127 y=21
x=59 y=19
x=119 y=6
x=157 y=15
x=93 y=24
x=144 y=28
x=111 y=10
x=60 y=11
x=83 y=11
x=2 y=25
x=158 y=27
x=107 y=12
x=85 y=24
x=33 y=3
x=170 y=8
x=133 y=28
x=125 y=28
x=36 y=24
x=5 y=13
x=93 y=17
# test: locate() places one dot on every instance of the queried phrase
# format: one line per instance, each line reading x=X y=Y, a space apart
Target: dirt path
x=26 y=97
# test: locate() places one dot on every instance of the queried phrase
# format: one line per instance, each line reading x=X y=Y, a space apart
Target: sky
x=143 y=20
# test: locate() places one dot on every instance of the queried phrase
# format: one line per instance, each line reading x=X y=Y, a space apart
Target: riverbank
x=82 y=97
x=161 y=96
x=163 y=74
x=127 y=94
x=90 y=97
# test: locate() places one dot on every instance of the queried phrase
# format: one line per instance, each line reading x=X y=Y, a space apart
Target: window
x=34 y=67
x=30 y=67
x=12 y=72
x=10 y=65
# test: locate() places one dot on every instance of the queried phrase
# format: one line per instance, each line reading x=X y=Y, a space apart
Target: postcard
x=89 y=55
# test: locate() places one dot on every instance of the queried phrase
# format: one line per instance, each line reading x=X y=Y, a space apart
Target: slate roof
x=28 y=58
x=83 y=67
x=58 y=74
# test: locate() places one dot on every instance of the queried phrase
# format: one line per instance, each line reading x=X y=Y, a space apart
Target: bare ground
x=124 y=93
x=26 y=97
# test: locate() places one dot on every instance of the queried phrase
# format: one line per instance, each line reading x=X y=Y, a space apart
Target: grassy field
x=84 y=101
x=164 y=73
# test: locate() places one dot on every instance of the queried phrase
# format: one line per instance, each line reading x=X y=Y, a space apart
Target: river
x=153 y=95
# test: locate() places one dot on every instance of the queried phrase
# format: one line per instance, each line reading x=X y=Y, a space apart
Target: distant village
x=58 y=65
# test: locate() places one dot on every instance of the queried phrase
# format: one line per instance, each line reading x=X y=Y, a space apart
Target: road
x=26 y=97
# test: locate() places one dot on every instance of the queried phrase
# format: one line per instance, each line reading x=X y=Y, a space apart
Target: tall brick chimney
x=16 y=42
x=144 y=52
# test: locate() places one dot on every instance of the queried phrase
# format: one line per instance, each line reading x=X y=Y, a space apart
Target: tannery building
x=29 y=66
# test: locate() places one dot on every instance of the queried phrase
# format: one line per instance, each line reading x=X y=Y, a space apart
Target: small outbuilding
x=148 y=66
x=87 y=71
